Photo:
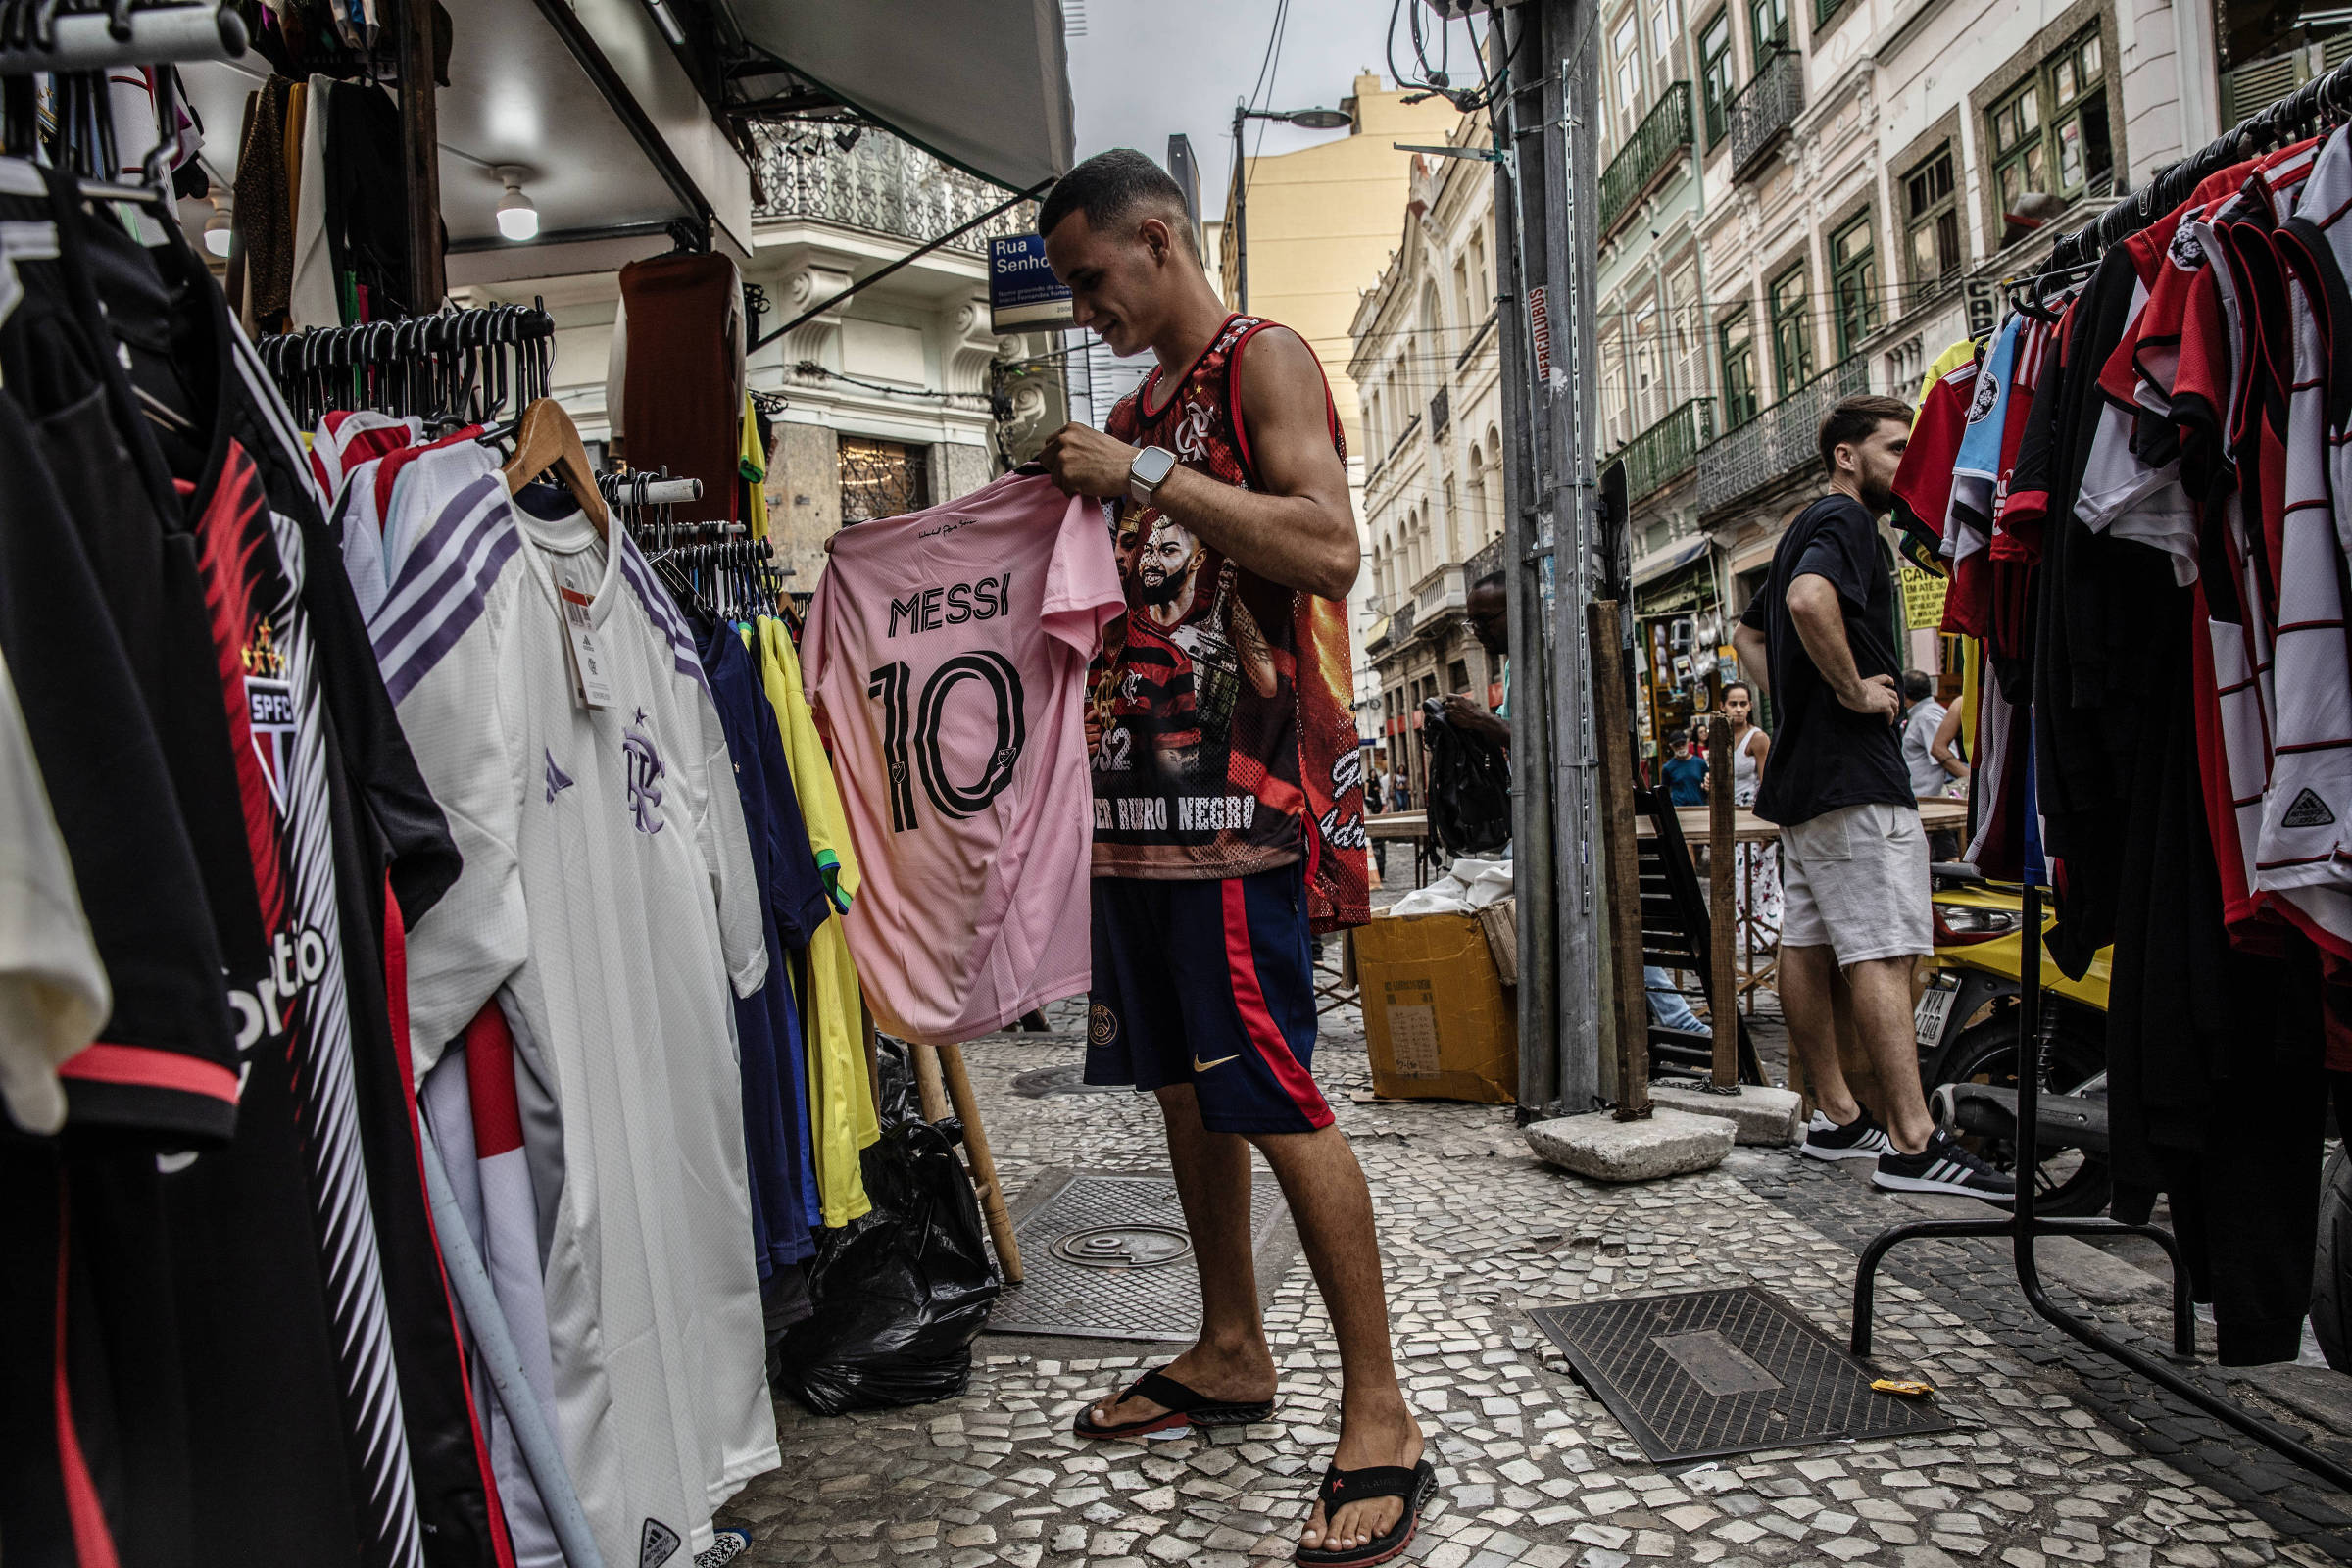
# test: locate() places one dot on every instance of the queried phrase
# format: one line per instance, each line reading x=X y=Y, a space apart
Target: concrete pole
x=1568 y=400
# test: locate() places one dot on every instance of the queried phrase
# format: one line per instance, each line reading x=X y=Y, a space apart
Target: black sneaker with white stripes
x=1943 y=1167
x=1859 y=1138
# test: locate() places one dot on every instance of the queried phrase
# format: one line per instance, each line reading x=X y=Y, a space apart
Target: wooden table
x=1938 y=816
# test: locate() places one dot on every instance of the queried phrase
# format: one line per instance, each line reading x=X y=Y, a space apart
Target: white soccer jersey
x=609 y=900
x=2306 y=847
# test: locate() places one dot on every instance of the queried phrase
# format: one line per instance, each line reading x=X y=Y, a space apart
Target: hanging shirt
x=842 y=1115
x=1274 y=772
x=947 y=651
x=607 y=901
x=53 y=993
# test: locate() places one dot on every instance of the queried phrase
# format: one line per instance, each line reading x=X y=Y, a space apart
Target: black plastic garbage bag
x=900 y=1293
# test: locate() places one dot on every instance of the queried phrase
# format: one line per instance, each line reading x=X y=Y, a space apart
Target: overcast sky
x=1145 y=69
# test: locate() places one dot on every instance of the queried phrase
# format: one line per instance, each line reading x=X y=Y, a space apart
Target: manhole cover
x=1124 y=1246
x=1069 y=1080
x=1108 y=1258
x=1707 y=1373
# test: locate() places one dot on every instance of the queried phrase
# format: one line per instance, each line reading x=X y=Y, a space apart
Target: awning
x=982 y=83
x=1659 y=566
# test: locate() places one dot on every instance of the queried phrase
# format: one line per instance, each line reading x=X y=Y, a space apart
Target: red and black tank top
x=1219 y=716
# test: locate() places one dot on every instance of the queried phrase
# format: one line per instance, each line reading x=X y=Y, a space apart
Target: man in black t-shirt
x=1855 y=863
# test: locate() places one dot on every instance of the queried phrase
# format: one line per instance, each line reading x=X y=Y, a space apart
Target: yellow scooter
x=1965 y=1025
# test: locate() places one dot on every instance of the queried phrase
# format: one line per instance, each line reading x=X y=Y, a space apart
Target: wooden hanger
x=545 y=438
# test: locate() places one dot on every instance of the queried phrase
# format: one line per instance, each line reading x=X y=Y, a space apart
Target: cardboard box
x=1437 y=1020
x=1501 y=921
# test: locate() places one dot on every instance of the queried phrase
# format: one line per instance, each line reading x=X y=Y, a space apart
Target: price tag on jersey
x=590 y=680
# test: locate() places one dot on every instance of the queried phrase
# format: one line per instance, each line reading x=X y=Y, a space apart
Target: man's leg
x=1881 y=1006
x=1808 y=978
x=1230 y=1361
x=1331 y=1206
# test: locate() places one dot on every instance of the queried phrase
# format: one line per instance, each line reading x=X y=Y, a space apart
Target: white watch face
x=1151 y=465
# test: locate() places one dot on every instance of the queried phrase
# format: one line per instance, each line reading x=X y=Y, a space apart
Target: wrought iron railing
x=878 y=183
x=1765 y=108
x=1485 y=561
x=1478 y=338
x=1668 y=449
x=1661 y=139
x=1441 y=412
x=1783 y=440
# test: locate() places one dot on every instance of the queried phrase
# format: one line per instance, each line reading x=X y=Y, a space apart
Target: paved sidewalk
x=1534 y=1472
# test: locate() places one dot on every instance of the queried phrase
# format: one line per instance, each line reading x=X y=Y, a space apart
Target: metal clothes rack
x=73 y=47
x=2326 y=98
x=455 y=367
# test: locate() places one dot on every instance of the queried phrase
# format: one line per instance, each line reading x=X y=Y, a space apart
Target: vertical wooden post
x=927 y=1084
x=420 y=156
x=983 y=1163
x=1621 y=866
x=1723 y=912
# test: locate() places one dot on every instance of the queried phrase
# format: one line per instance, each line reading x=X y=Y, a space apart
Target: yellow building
x=1323 y=221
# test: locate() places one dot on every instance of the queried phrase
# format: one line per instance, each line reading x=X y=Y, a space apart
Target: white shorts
x=1855 y=881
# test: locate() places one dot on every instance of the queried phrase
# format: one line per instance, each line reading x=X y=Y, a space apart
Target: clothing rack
x=2326 y=98
x=74 y=42
x=454 y=366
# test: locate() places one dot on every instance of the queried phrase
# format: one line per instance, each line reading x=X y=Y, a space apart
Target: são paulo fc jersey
x=948 y=652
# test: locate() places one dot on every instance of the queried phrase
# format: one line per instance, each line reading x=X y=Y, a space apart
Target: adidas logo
x=2308 y=810
x=656 y=1543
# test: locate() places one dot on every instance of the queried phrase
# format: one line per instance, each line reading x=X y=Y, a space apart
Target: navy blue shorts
x=1210 y=984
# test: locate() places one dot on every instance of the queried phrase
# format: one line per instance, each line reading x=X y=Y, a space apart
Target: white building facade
x=1426 y=364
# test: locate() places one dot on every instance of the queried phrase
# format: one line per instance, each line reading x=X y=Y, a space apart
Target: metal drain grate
x=1108 y=1258
x=1707 y=1373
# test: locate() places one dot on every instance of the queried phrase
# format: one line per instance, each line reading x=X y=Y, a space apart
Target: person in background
x=1489 y=608
x=1854 y=859
x=1685 y=775
x=1946 y=751
x=1376 y=801
x=1921 y=725
x=1756 y=874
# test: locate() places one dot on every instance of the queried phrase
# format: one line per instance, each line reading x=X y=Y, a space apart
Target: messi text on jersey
x=930 y=609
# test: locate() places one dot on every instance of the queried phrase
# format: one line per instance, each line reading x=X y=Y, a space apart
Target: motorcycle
x=1966 y=1025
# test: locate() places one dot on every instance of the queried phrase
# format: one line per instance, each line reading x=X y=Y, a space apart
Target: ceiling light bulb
x=219 y=232
x=517 y=218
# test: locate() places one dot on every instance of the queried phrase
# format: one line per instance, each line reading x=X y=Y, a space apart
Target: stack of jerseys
x=644 y=1114
x=223 y=1335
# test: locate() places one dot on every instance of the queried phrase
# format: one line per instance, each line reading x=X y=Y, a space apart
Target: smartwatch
x=1147 y=472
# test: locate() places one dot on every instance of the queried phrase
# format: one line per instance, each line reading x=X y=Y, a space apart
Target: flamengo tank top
x=1218 y=715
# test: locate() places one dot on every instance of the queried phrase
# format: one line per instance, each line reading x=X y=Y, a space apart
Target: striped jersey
x=608 y=902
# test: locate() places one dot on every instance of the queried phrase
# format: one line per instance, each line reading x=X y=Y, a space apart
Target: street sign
x=1023 y=295
x=1539 y=321
x=1984 y=306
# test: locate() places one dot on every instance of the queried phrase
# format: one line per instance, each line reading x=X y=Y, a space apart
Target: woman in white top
x=1758 y=868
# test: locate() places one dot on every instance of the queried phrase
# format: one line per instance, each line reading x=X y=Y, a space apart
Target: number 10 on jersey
x=914 y=727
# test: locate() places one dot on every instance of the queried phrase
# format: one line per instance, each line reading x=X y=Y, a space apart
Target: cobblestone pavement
x=1534 y=1471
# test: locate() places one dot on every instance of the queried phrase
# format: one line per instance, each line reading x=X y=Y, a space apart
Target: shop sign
x=1023 y=294
x=1923 y=598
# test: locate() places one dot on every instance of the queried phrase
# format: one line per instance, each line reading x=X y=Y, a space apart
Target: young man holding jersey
x=1205 y=872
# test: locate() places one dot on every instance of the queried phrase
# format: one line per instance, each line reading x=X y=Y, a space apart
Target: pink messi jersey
x=947 y=651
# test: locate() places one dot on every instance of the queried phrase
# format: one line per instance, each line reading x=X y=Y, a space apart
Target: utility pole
x=1551 y=367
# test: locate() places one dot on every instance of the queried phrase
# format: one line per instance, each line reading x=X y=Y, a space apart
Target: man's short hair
x=1108 y=187
x=1856 y=419
x=1917 y=685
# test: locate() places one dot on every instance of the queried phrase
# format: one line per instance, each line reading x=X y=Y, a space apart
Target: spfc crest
x=269 y=710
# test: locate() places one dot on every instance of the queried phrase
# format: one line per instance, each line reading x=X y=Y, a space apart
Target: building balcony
x=1446 y=587
x=1485 y=561
x=880 y=184
x=1441 y=412
x=1763 y=111
x=1778 y=444
x=1668 y=449
x=1657 y=147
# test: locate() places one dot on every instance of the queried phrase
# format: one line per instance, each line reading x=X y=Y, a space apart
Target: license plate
x=1934 y=1007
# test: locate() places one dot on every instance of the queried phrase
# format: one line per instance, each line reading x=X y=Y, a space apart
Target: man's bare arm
x=1300 y=531
x=1748 y=647
x=1821 y=627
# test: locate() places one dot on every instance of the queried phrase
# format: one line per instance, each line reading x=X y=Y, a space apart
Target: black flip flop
x=1417 y=1486
x=1184 y=1408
